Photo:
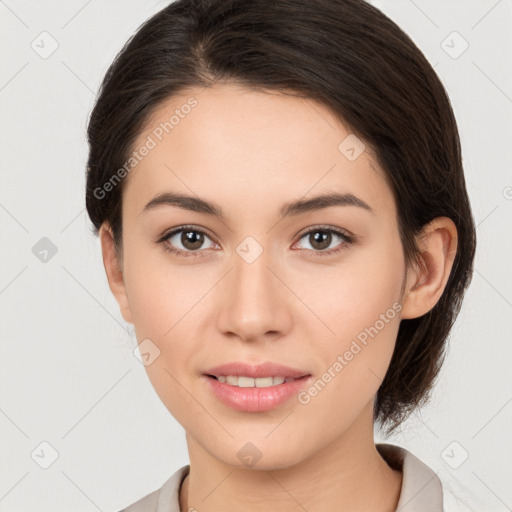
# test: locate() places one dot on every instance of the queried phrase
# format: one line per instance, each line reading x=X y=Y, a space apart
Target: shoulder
x=166 y=498
x=421 y=487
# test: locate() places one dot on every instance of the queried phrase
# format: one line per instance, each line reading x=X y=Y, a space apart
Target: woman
x=279 y=194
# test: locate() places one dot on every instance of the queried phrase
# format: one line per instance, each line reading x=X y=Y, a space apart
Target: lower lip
x=255 y=399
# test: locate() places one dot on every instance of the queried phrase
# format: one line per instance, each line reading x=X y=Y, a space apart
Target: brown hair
x=345 y=54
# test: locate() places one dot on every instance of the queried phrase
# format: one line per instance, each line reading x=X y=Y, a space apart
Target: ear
x=113 y=268
x=426 y=282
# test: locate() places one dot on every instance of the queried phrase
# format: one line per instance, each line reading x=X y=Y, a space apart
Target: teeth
x=249 y=382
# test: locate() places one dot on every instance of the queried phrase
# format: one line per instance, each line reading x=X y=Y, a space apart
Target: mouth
x=260 y=393
x=263 y=375
x=244 y=381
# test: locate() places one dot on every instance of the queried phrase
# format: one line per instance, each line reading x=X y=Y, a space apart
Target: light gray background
x=67 y=373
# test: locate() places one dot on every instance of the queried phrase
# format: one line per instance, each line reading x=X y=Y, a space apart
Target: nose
x=255 y=303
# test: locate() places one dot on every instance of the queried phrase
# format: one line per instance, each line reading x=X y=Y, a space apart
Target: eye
x=190 y=238
x=321 y=237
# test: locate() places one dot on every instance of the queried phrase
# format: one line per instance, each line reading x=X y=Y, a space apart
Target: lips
x=267 y=369
x=255 y=399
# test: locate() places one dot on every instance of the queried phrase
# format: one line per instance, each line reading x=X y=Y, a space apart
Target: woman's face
x=260 y=286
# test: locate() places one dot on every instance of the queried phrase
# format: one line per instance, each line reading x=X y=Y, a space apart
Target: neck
x=347 y=474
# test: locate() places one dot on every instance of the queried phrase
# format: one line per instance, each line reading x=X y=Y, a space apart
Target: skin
x=250 y=152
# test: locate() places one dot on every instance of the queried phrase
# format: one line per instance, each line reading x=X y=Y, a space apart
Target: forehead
x=251 y=148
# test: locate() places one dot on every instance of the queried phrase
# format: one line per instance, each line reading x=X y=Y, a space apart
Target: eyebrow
x=292 y=208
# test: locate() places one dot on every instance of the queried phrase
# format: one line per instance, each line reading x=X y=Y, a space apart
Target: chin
x=254 y=452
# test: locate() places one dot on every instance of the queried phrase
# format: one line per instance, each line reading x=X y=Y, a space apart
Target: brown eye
x=321 y=238
x=186 y=241
x=192 y=239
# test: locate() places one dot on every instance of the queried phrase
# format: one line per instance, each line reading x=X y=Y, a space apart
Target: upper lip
x=255 y=371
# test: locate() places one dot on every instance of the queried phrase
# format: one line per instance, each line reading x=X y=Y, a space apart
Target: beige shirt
x=421 y=488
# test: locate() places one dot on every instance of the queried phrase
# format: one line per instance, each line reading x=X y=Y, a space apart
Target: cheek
x=161 y=293
x=167 y=304
x=353 y=361
x=359 y=302
x=163 y=300
x=353 y=294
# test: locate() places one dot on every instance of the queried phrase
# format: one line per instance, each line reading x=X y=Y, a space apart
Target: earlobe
x=114 y=271
x=427 y=281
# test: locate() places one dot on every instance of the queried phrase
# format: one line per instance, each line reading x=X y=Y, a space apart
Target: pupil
x=193 y=239
x=323 y=236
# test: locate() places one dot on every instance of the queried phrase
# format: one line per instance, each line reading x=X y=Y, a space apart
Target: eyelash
x=347 y=240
